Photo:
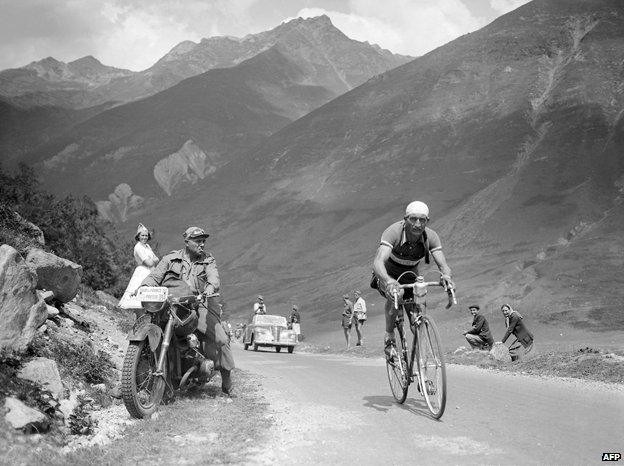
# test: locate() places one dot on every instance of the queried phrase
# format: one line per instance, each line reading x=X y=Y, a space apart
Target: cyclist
x=403 y=245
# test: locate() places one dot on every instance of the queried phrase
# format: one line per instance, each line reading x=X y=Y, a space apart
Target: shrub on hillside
x=72 y=229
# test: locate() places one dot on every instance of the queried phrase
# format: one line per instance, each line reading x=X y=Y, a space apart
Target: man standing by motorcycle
x=196 y=269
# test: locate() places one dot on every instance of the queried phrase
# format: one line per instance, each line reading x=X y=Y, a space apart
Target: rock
x=461 y=349
x=120 y=204
x=500 y=352
x=61 y=276
x=45 y=372
x=21 y=416
x=188 y=165
x=42 y=329
x=100 y=387
x=67 y=323
x=68 y=406
x=21 y=312
x=52 y=311
x=46 y=295
x=106 y=299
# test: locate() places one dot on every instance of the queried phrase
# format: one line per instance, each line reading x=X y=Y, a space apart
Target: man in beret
x=192 y=269
x=479 y=336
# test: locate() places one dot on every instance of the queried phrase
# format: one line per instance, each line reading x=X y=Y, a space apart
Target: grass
x=209 y=428
x=585 y=364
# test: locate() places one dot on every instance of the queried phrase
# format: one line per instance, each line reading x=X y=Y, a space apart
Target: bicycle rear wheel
x=431 y=367
x=397 y=372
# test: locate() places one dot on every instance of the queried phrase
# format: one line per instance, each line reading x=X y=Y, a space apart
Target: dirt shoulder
x=198 y=428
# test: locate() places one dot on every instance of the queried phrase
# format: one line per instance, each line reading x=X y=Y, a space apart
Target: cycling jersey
x=406 y=255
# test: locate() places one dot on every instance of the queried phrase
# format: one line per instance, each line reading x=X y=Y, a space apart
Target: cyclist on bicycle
x=403 y=245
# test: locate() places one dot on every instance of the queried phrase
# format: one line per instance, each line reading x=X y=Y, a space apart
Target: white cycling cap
x=417 y=208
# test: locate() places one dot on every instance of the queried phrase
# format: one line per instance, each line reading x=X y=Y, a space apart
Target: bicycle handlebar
x=450 y=291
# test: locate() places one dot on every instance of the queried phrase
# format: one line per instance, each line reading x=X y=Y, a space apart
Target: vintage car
x=269 y=330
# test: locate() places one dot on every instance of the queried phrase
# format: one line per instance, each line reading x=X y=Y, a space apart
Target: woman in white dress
x=146 y=260
x=143 y=254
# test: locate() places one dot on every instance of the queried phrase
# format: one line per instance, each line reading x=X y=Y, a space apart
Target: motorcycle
x=164 y=351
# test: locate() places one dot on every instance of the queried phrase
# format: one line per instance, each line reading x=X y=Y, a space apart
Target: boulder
x=61 y=276
x=21 y=311
x=500 y=352
x=52 y=311
x=106 y=299
x=44 y=372
x=46 y=295
x=21 y=416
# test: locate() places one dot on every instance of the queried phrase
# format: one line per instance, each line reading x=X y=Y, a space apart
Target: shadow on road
x=384 y=403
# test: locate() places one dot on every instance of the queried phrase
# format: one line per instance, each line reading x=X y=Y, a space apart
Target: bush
x=79 y=361
x=72 y=229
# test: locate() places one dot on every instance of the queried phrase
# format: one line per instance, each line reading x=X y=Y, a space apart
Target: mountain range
x=321 y=50
x=144 y=144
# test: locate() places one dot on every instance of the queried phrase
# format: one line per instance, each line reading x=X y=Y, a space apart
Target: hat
x=474 y=306
x=260 y=297
x=142 y=229
x=358 y=292
x=345 y=296
x=417 y=208
x=194 y=233
x=295 y=307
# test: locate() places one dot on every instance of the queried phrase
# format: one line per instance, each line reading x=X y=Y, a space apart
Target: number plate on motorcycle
x=152 y=294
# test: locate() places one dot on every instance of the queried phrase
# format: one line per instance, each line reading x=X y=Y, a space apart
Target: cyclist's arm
x=440 y=260
x=379 y=264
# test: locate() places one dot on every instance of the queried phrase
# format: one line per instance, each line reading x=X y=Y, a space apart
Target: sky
x=134 y=34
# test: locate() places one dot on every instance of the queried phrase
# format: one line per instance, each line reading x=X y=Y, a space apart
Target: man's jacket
x=481 y=327
x=176 y=268
x=517 y=327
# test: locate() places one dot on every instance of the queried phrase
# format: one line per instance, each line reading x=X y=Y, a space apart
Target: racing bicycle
x=424 y=363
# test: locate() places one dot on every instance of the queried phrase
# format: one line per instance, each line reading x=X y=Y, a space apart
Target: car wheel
x=255 y=347
x=246 y=346
x=291 y=349
x=278 y=349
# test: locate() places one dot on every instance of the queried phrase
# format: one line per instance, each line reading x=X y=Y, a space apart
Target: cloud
x=505 y=6
x=409 y=27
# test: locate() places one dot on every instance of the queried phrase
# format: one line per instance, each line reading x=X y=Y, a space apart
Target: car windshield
x=270 y=320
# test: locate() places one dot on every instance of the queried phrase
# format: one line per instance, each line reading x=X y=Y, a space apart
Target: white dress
x=141 y=253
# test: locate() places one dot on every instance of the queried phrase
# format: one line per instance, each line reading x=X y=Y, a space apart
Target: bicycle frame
x=428 y=368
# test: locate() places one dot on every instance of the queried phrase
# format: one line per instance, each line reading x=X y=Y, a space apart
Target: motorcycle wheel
x=141 y=390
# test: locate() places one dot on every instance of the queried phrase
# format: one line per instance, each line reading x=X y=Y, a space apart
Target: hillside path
x=336 y=409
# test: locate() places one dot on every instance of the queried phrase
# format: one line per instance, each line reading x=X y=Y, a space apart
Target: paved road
x=338 y=410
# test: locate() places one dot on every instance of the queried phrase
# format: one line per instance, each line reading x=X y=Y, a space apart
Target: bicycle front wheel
x=431 y=367
x=397 y=372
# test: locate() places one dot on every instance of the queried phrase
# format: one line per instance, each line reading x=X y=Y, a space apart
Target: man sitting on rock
x=479 y=336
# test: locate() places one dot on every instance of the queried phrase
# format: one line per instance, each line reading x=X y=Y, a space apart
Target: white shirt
x=359 y=308
x=257 y=306
x=143 y=252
